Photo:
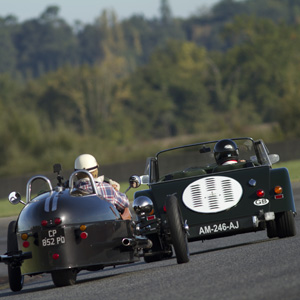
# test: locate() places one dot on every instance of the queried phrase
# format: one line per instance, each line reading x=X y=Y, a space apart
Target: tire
x=15 y=277
x=272 y=229
x=178 y=233
x=285 y=224
x=64 y=277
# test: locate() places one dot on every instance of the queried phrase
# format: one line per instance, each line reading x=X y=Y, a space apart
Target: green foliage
x=44 y=44
x=173 y=84
x=267 y=64
x=8 y=59
x=111 y=87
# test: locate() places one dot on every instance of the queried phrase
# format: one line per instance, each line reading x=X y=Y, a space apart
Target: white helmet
x=87 y=162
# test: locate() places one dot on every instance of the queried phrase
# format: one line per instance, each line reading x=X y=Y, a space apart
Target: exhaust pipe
x=128 y=242
x=139 y=242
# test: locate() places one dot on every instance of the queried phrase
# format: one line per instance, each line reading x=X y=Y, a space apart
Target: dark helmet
x=225 y=150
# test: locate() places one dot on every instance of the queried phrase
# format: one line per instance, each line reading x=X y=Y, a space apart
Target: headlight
x=142 y=205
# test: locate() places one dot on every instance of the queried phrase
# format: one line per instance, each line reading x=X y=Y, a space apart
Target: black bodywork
x=64 y=230
x=217 y=201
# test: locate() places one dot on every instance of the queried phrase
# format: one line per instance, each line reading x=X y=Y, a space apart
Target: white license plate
x=53 y=237
x=219 y=227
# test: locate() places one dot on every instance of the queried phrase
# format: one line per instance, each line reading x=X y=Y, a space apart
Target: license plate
x=219 y=227
x=53 y=237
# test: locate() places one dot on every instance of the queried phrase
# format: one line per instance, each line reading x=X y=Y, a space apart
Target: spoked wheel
x=64 y=277
x=15 y=278
x=285 y=223
x=178 y=232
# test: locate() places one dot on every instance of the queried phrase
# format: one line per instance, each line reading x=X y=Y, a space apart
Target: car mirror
x=14 y=198
x=134 y=181
x=144 y=179
x=274 y=158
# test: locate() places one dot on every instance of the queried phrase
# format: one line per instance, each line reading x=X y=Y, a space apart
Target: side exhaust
x=138 y=242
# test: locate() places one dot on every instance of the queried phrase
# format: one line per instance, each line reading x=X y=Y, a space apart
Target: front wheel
x=178 y=233
x=64 y=277
x=15 y=278
x=285 y=223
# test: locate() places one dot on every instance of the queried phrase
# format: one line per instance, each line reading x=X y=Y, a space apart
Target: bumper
x=230 y=227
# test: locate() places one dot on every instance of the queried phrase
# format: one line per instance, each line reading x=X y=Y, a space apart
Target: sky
x=87 y=11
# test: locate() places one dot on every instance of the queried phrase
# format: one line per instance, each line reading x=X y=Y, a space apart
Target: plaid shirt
x=106 y=191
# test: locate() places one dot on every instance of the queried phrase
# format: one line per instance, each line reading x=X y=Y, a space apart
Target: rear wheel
x=285 y=224
x=15 y=278
x=64 y=277
x=178 y=233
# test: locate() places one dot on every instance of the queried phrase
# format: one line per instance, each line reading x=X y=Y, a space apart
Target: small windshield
x=197 y=156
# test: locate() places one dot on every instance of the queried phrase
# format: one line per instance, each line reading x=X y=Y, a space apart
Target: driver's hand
x=115 y=185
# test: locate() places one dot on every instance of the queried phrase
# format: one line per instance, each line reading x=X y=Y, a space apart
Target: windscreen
x=199 y=155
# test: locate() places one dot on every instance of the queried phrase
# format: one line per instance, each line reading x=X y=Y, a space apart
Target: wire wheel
x=178 y=233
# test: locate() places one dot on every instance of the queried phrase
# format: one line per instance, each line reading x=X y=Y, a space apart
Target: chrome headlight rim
x=142 y=205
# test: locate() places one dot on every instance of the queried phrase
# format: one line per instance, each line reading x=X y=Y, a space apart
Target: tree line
x=112 y=87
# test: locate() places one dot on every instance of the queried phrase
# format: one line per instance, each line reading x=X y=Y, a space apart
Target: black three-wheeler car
x=64 y=230
x=214 y=201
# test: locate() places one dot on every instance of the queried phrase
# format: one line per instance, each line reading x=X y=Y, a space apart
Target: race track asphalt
x=5 y=221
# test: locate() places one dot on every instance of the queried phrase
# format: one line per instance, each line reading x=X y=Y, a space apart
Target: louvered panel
x=212 y=194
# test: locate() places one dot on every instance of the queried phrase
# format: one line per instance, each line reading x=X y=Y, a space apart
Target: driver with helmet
x=226 y=152
x=109 y=189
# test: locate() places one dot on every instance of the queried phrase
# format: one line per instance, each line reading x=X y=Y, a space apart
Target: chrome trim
x=29 y=183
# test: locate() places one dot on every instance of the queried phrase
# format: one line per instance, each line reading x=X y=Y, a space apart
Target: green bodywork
x=245 y=211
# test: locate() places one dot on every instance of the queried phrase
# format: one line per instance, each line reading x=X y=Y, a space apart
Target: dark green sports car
x=213 y=189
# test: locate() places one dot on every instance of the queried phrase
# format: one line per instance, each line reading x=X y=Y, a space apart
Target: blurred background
x=124 y=87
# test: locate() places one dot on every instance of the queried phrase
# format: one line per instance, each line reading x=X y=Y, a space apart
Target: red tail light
x=260 y=193
x=44 y=223
x=57 y=221
x=55 y=256
x=83 y=235
x=26 y=244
